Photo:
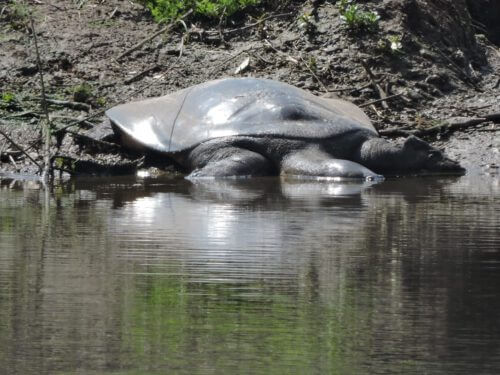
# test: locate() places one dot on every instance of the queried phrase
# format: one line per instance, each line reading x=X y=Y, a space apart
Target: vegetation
x=170 y=9
x=356 y=18
x=82 y=93
x=305 y=22
x=8 y=97
x=8 y=101
x=392 y=45
x=18 y=14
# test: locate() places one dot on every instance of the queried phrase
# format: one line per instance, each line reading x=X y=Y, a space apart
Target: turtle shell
x=235 y=106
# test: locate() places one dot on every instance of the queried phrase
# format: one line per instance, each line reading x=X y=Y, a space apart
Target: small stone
x=28 y=70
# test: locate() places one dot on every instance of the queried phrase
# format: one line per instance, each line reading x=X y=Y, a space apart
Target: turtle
x=240 y=127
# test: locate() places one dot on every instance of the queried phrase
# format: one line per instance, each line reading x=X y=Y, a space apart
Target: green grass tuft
x=8 y=97
x=82 y=93
x=171 y=9
x=355 y=18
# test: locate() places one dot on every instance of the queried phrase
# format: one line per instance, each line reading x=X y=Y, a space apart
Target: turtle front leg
x=314 y=162
x=228 y=161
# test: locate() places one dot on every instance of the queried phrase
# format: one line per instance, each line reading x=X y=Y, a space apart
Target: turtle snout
x=436 y=161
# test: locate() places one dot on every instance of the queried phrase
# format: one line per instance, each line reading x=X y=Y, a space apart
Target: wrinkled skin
x=256 y=127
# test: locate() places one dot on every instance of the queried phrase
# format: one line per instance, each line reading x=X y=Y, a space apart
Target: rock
x=28 y=70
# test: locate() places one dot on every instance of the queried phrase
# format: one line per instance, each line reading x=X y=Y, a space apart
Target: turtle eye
x=433 y=155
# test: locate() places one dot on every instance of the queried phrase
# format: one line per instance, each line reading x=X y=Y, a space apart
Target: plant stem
x=45 y=124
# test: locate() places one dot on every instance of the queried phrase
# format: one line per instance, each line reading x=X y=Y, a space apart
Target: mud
x=445 y=66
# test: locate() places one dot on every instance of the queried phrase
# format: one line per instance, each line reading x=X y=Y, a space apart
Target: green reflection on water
x=194 y=327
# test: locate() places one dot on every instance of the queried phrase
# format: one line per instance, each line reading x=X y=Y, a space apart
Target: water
x=261 y=276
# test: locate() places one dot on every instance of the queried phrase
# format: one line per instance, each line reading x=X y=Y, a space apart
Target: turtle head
x=412 y=155
x=420 y=155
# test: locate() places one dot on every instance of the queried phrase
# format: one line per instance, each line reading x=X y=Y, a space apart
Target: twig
x=93 y=143
x=450 y=126
x=183 y=38
x=9 y=153
x=379 y=100
x=288 y=57
x=219 y=26
x=78 y=122
x=232 y=57
x=487 y=130
x=181 y=44
x=447 y=126
x=89 y=167
x=351 y=89
x=314 y=74
x=24 y=114
x=46 y=125
x=461 y=72
x=471 y=109
x=56 y=7
x=19 y=148
x=377 y=112
x=257 y=56
x=371 y=76
x=257 y=23
x=85 y=124
x=72 y=105
x=13 y=161
x=144 y=41
x=140 y=75
x=112 y=14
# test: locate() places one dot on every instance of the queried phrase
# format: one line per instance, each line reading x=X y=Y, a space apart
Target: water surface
x=138 y=276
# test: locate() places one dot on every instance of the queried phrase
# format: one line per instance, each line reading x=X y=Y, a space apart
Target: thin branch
x=444 y=127
x=373 y=79
x=463 y=75
x=142 y=74
x=78 y=122
x=379 y=100
x=13 y=161
x=451 y=126
x=308 y=66
x=281 y=53
x=351 y=89
x=72 y=105
x=144 y=41
x=258 y=22
x=93 y=143
x=19 y=148
x=232 y=57
x=46 y=125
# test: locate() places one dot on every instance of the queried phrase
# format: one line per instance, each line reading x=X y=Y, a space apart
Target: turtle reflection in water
x=257 y=127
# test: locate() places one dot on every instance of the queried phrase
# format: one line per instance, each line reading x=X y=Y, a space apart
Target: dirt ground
x=437 y=64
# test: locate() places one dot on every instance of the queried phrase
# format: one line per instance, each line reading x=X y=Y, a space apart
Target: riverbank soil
x=436 y=63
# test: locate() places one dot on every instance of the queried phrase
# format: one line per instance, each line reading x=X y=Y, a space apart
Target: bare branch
x=144 y=41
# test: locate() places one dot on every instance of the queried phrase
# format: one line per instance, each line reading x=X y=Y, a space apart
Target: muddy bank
x=436 y=61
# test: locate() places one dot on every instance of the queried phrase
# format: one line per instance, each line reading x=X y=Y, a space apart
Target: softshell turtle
x=255 y=127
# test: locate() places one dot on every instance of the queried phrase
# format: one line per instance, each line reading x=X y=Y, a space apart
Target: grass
x=171 y=9
x=8 y=101
x=82 y=93
x=8 y=97
x=18 y=14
